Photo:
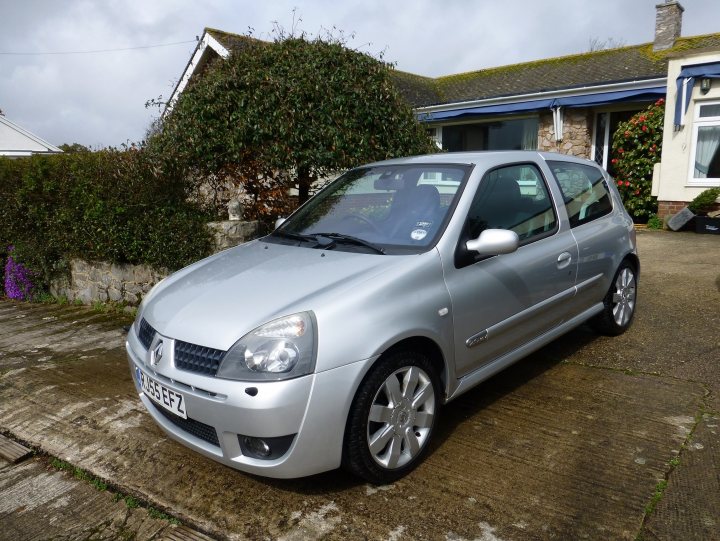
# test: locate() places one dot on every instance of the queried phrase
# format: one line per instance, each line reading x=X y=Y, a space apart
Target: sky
x=98 y=99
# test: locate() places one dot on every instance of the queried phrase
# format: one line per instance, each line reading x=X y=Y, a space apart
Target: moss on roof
x=232 y=42
x=633 y=63
x=622 y=64
x=416 y=89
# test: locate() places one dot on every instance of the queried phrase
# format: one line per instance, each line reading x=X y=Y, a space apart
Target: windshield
x=383 y=209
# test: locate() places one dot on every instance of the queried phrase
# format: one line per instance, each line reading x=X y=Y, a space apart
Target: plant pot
x=705 y=224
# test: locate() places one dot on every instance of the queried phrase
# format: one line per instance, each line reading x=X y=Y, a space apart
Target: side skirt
x=472 y=379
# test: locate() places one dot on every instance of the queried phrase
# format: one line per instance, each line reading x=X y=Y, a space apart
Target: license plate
x=161 y=395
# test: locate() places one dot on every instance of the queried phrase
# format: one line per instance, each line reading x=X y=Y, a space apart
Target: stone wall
x=577 y=133
x=128 y=284
x=232 y=233
x=107 y=282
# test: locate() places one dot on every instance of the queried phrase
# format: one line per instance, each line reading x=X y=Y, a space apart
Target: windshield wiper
x=341 y=237
x=295 y=236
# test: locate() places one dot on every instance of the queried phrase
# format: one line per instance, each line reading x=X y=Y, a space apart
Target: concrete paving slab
x=545 y=450
x=690 y=509
x=40 y=503
x=568 y=444
x=11 y=451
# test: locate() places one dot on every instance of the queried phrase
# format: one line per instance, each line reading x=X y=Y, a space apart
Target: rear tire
x=392 y=417
x=619 y=303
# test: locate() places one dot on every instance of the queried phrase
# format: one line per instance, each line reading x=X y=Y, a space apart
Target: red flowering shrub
x=636 y=148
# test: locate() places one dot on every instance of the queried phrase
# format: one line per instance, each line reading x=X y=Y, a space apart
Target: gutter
x=520 y=98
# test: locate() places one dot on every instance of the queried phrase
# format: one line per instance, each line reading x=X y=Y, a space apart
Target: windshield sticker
x=418 y=234
x=424 y=225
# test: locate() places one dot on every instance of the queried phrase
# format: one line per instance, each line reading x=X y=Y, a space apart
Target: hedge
x=108 y=205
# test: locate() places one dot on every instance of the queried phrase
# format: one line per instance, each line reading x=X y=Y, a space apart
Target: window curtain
x=530 y=135
x=708 y=144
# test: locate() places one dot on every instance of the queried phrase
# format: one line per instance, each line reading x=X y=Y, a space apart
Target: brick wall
x=668 y=208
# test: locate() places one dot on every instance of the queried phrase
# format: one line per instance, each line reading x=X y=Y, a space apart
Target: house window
x=515 y=134
x=705 y=165
x=606 y=123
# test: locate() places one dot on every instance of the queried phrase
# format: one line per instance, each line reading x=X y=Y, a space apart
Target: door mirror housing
x=494 y=242
x=279 y=222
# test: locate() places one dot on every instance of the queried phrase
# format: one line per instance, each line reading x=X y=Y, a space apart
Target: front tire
x=619 y=303
x=392 y=418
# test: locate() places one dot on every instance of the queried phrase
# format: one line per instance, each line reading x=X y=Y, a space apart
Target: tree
x=636 y=148
x=74 y=147
x=283 y=114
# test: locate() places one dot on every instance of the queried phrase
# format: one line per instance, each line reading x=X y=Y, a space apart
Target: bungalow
x=571 y=104
x=16 y=142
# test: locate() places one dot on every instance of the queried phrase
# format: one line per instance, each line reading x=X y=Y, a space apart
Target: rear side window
x=584 y=190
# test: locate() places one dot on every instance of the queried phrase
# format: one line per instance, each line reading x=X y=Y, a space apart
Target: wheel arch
x=634 y=260
x=428 y=348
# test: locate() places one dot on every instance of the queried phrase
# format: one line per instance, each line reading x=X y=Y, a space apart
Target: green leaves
x=636 y=147
x=107 y=206
x=286 y=107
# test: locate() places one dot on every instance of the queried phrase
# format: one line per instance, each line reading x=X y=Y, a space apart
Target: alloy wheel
x=401 y=417
x=624 y=297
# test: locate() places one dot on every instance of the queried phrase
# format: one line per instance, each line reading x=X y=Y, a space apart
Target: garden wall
x=108 y=282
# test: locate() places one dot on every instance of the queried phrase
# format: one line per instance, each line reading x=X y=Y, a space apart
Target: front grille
x=191 y=426
x=146 y=333
x=197 y=359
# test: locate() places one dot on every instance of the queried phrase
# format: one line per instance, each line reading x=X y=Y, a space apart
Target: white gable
x=200 y=56
x=16 y=141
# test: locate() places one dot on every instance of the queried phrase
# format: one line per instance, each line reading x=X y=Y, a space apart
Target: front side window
x=513 y=197
x=384 y=209
x=584 y=190
x=705 y=166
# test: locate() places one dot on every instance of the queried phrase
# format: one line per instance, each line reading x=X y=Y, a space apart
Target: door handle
x=563 y=260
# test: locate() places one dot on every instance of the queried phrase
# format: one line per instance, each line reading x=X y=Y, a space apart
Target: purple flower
x=17 y=279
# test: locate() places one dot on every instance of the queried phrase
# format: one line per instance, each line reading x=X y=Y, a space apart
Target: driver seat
x=410 y=206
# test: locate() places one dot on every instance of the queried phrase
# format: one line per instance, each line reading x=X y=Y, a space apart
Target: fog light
x=256 y=447
x=265 y=448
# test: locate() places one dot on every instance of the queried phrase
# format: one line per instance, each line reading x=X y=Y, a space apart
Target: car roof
x=478 y=157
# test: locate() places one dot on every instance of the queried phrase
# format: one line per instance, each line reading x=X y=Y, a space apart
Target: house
x=571 y=104
x=690 y=160
x=16 y=141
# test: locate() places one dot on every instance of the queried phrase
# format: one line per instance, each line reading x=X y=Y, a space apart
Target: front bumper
x=313 y=408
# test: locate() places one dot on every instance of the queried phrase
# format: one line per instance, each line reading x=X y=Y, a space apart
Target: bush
x=654 y=222
x=108 y=205
x=16 y=279
x=284 y=115
x=636 y=148
x=705 y=201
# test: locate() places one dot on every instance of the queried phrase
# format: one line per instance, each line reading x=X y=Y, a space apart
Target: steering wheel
x=363 y=219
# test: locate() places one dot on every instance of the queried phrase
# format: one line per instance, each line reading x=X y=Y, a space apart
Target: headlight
x=281 y=349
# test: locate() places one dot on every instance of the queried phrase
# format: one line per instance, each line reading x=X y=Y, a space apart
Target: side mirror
x=494 y=242
x=279 y=222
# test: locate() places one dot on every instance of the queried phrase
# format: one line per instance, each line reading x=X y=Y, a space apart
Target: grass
x=79 y=473
x=130 y=501
x=120 y=308
x=656 y=497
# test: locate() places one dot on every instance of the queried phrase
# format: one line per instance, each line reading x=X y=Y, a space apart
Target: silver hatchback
x=335 y=340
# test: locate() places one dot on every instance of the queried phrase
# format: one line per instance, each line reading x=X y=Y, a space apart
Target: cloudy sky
x=98 y=99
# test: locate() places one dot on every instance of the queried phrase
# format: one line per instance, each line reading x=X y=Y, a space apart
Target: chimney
x=668 y=21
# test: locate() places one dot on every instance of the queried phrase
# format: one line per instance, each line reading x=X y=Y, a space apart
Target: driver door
x=501 y=302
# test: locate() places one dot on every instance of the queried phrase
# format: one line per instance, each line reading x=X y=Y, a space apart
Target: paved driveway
x=570 y=443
